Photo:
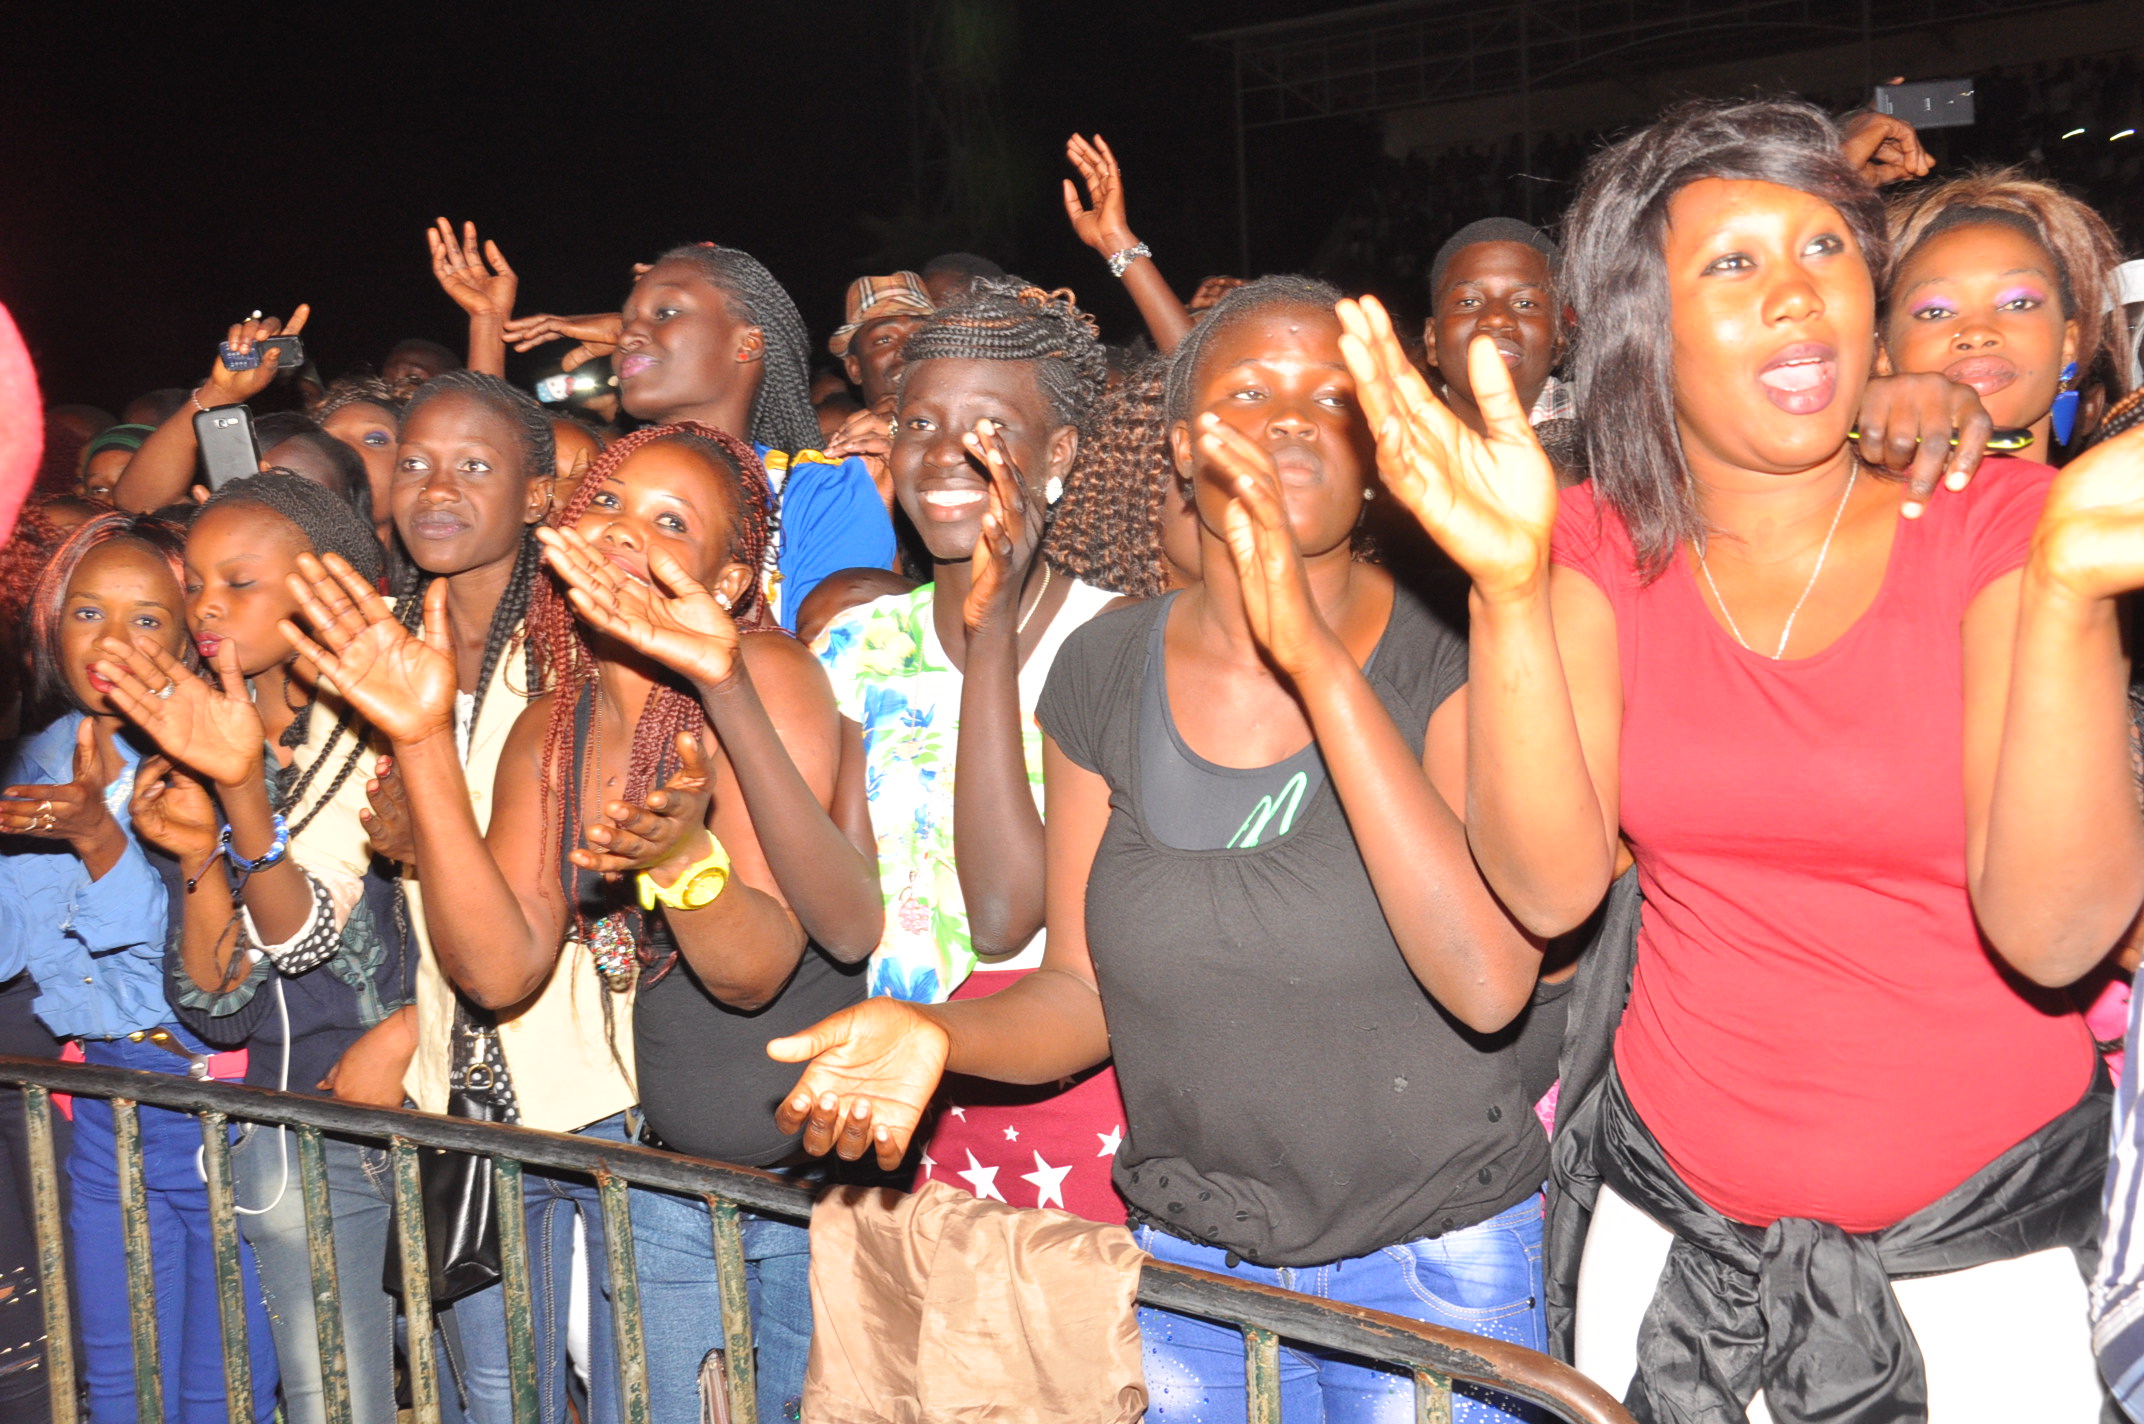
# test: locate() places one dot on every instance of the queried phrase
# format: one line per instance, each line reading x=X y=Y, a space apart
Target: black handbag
x=460 y=1192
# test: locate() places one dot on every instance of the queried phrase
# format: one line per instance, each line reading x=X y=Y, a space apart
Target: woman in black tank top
x=1262 y=903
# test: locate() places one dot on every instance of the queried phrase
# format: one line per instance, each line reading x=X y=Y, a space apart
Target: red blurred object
x=22 y=426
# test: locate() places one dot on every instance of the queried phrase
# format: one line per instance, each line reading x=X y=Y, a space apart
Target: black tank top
x=1293 y=1093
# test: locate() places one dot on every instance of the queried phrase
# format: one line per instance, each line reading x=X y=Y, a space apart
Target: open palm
x=462 y=273
x=676 y=621
x=872 y=1067
x=403 y=685
x=1489 y=501
x=215 y=730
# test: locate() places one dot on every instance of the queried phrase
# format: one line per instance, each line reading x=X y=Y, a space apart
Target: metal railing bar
x=52 y=1285
x=416 y=1282
x=223 y=1250
x=327 y=1288
x=740 y=1367
x=1432 y=1398
x=1261 y=1375
x=626 y=1324
x=141 y=1261
x=518 y=1299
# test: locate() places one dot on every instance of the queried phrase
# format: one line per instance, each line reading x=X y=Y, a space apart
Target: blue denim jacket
x=95 y=947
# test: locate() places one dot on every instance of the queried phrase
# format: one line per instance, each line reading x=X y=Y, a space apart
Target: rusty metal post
x=327 y=1292
x=514 y=1281
x=624 y=1297
x=1261 y=1372
x=741 y=1366
x=416 y=1282
x=141 y=1263
x=51 y=1257
x=1432 y=1398
x=230 y=1274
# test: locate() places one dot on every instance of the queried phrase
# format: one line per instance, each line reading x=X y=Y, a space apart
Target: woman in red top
x=1802 y=708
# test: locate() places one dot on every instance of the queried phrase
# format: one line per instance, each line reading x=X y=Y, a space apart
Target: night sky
x=166 y=172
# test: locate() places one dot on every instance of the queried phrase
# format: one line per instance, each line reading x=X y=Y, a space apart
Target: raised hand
x=1276 y=592
x=460 y=267
x=597 y=332
x=872 y=1070
x=1884 y=149
x=2090 y=539
x=1211 y=291
x=1011 y=533
x=387 y=819
x=401 y=684
x=675 y=621
x=228 y=387
x=665 y=832
x=209 y=727
x=1489 y=501
x=173 y=811
x=1906 y=424
x=1099 y=222
x=74 y=810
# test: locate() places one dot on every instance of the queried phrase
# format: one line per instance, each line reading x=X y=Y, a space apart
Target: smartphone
x=553 y=390
x=1933 y=104
x=228 y=449
x=290 y=354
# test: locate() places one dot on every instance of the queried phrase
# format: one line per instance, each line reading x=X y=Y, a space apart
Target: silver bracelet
x=1121 y=262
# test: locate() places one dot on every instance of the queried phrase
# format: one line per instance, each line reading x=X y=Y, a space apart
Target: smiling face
x=237 y=556
x=121 y=589
x=1276 y=375
x=874 y=356
x=1980 y=303
x=1773 y=324
x=943 y=488
x=671 y=495
x=462 y=490
x=686 y=344
x=370 y=430
x=1500 y=290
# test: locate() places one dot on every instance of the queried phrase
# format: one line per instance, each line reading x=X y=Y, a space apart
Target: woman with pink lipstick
x=1798 y=706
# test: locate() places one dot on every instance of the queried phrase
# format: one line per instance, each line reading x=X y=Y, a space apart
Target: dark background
x=165 y=173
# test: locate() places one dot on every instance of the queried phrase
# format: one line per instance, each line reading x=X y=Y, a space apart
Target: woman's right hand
x=213 y=730
x=1489 y=501
x=173 y=811
x=461 y=272
x=1103 y=226
x=872 y=1070
x=597 y=332
x=225 y=386
x=675 y=620
x=403 y=685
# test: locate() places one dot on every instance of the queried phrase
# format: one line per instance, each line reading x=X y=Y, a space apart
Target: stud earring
x=724 y=600
x=2065 y=409
x=1053 y=490
x=1369 y=494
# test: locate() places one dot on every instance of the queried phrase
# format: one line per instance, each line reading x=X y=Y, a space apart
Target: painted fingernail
x=1912 y=509
x=1956 y=480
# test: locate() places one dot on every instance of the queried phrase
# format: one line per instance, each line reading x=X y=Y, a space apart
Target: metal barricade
x=1435 y=1356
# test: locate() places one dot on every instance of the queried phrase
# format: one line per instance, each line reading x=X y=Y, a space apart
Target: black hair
x=429 y=347
x=1493 y=230
x=284 y=427
x=782 y=416
x=1623 y=363
x=162 y=403
x=1006 y=319
x=1106 y=530
x=965 y=264
x=359 y=390
x=1180 y=391
x=531 y=422
x=328 y=522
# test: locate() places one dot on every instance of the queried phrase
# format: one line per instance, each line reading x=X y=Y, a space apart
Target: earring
x=1369 y=494
x=2065 y=409
x=1053 y=490
x=724 y=600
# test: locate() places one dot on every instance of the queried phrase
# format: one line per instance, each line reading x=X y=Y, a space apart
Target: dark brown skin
x=485 y=292
x=162 y=471
x=1500 y=290
x=686 y=351
x=1265 y=654
x=873 y=359
x=981 y=433
x=1103 y=227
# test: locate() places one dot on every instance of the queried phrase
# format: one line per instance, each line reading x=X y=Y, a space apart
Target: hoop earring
x=2065 y=407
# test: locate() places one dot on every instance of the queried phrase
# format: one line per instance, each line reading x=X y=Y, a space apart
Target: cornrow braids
x=569 y=664
x=782 y=414
x=326 y=520
x=1006 y=319
x=358 y=390
x=532 y=423
x=1180 y=389
x=1106 y=530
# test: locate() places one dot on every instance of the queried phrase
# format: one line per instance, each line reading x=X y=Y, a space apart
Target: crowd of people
x=1500 y=824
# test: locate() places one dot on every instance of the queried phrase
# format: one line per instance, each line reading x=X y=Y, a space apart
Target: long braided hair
x=1007 y=319
x=532 y=427
x=570 y=665
x=782 y=414
x=1106 y=531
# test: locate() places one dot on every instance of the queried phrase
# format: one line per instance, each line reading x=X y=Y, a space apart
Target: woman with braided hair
x=995 y=397
x=707 y=334
x=662 y=811
x=289 y=948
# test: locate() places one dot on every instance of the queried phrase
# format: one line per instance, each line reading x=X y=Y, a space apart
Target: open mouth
x=632 y=568
x=1802 y=379
x=97 y=684
x=207 y=644
x=953 y=504
x=1985 y=374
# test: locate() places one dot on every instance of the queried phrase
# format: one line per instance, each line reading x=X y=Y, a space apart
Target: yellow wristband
x=697 y=888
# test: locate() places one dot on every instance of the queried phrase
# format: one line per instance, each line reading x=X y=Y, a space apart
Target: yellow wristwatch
x=697 y=888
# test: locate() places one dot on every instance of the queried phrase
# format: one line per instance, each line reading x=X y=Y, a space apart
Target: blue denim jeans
x=552 y=1204
x=1485 y=1279
x=360 y=1199
x=182 y=1260
x=681 y=1304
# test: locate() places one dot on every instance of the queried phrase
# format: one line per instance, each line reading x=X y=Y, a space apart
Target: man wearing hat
x=882 y=313
x=106 y=457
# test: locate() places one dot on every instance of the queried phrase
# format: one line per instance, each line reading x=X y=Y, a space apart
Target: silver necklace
x=1807 y=589
x=1041 y=590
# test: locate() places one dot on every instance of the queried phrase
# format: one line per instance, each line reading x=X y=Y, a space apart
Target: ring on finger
x=170 y=686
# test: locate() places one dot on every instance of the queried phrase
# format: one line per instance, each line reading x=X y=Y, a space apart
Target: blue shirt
x=95 y=947
x=832 y=518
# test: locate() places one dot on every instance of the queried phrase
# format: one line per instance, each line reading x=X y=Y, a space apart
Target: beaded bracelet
x=1121 y=262
x=273 y=855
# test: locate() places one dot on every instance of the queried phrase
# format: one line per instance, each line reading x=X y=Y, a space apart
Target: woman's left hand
x=664 y=832
x=1005 y=547
x=370 y=1071
x=460 y=270
x=173 y=811
x=1906 y=425
x=1276 y=591
x=73 y=811
x=215 y=731
x=675 y=621
x=2090 y=539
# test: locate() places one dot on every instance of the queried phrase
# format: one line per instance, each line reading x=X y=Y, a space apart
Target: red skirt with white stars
x=1049 y=1145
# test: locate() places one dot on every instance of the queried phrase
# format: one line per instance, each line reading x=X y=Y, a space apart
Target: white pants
x=2029 y=1312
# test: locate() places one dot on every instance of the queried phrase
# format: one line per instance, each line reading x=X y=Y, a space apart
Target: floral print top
x=892 y=677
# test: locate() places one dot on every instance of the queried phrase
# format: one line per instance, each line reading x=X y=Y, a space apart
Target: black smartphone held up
x=1933 y=104
x=290 y=354
x=228 y=449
